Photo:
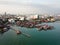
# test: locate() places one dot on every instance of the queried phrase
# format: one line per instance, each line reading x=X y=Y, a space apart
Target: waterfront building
x=50 y=19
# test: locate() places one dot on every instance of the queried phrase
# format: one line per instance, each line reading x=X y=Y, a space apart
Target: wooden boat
x=18 y=32
x=4 y=28
x=45 y=27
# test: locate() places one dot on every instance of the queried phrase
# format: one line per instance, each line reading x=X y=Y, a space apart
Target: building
x=51 y=19
x=31 y=17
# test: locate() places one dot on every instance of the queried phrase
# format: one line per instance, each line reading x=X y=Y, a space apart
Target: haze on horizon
x=29 y=6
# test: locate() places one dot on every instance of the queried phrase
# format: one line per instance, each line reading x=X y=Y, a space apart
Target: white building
x=32 y=17
x=11 y=20
x=21 y=17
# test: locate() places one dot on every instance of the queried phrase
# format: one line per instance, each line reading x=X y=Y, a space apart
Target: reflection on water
x=49 y=37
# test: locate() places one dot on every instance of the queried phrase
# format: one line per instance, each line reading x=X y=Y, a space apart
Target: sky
x=28 y=6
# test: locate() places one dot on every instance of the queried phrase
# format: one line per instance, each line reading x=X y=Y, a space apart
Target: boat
x=18 y=32
x=4 y=28
x=45 y=27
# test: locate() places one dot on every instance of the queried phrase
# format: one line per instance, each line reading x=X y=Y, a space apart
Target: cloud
x=28 y=6
x=18 y=9
x=24 y=9
x=15 y=1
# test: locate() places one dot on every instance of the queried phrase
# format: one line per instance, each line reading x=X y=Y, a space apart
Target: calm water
x=50 y=37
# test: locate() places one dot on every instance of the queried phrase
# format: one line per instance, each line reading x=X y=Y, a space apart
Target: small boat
x=18 y=32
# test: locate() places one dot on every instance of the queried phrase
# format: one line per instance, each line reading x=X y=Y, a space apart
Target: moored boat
x=45 y=27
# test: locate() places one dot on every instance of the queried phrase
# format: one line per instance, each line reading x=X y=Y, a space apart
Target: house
x=11 y=20
x=21 y=17
x=50 y=19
